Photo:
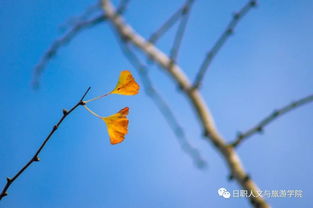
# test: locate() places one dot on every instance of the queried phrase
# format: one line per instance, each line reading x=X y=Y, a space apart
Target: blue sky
x=265 y=65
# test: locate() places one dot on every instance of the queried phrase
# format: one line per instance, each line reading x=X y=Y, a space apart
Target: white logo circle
x=224 y=193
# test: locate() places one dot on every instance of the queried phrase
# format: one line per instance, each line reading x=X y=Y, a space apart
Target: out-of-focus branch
x=82 y=22
x=35 y=157
x=222 y=40
x=62 y=41
x=166 y=25
x=181 y=30
x=83 y=17
x=162 y=105
x=259 y=127
x=228 y=152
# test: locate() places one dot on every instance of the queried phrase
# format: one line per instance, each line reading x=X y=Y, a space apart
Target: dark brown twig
x=221 y=41
x=258 y=128
x=162 y=106
x=35 y=158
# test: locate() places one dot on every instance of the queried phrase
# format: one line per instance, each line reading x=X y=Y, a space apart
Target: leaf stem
x=97 y=98
x=90 y=111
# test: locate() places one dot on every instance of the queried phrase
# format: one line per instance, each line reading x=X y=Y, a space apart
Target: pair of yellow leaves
x=117 y=124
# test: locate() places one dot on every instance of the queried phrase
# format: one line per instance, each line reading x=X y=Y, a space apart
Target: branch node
x=260 y=129
x=65 y=112
x=236 y=15
x=36 y=159
x=180 y=87
x=275 y=113
x=230 y=177
x=9 y=180
x=230 y=31
x=253 y=3
x=246 y=178
x=125 y=37
x=205 y=133
x=240 y=135
x=196 y=86
x=185 y=10
x=55 y=127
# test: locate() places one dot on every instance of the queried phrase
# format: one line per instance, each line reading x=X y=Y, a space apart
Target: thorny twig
x=35 y=157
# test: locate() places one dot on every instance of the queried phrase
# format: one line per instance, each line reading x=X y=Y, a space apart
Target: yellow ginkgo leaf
x=117 y=125
x=126 y=84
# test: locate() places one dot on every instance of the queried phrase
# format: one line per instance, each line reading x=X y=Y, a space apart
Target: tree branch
x=35 y=157
x=58 y=43
x=162 y=105
x=81 y=18
x=181 y=30
x=222 y=40
x=259 y=127
x=166 y=25
x=81 y=23
x=198 y=103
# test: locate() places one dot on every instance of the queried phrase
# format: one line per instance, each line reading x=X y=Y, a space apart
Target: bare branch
x=83 y=17
x=162 y=105
x=258 y=128
x=81 y=23
x=181 y=30
x=122 y=6
x=35 y=157
x=228 y=152
x=166 y=25
x=221 y=41
x=57 y=44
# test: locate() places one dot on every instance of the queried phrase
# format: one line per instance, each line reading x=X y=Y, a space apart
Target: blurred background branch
x=73 y=27
x=222 y=40
x=60 y=42
x=259 y=127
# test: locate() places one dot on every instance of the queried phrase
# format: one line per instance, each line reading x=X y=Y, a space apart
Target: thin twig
x=69 y=35
x=258 y=128
x=83 y=17
x=181 y=30
x=166 y=25
x=122 y=6
x=221 y=41
x=162 y=105
x=35 y=157
x=57 y=44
